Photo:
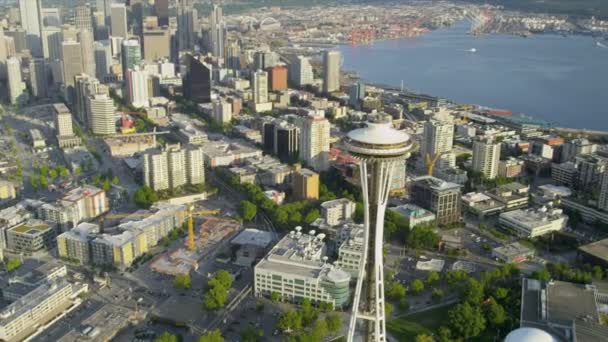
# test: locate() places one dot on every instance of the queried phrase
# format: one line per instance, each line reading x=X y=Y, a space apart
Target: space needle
x=377 y=148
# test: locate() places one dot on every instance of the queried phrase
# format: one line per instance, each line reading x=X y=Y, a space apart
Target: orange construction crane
x=190 y=222
x=430 y=162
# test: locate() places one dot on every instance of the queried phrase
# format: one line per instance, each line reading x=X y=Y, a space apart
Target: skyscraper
x=603 y=201
x=131 y=55
x=103 y=58
x=72 y=66
x=100 y=110
x=278 y=78
x=356 y=93
x=119 y=21
x=137 y=87
x=172 y=167
x=31 y=21
x=301 y=72
x=314 y=142
x=161 y=9
x=82 y=18
x=486 y=155
x=84 y=87
x=233 y=55
x=16 y=86
x=378 y=147
x=197 y=83
x=217 y=30
x=185 y=25
x=38 y=77
x=331 y=71
x=260 y=87
x=52 y=37
x=157 y=43
x=3 y=55
x=85 y=37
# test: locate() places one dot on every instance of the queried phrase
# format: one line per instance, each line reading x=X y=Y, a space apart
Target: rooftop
x=254 y=237
x=31 y=227
x=598 y=249
x=513 y=249
x=436 y=183
x=533 y=217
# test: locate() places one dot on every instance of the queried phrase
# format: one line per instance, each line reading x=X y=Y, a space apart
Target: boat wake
x=602 y=45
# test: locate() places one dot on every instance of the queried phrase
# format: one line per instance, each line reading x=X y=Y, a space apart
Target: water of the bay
x=562 y=80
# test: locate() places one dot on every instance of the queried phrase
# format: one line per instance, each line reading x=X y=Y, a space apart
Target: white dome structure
x=530 y=335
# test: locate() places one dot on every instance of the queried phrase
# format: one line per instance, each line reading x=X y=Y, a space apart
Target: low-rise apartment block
x=532 y=223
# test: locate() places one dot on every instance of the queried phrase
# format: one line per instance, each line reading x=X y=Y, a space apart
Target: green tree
x=467 y=321
x=115 y=180
x=13 y=264
x=145 y=197
x=212 y=336
x=444 y=334
x=308 y=312
x=320 y=330
x=495 y=313
x=417 y=286
x=53 y=174
x=106 y=185
x=166 y=337
x=500 y=293
x=43 y=170
x=43 y=181
x=437 y=294
x=472 y=291
x=182 y=281
x=423 y=236
x=290 y=321
x=63 y=171
x=33 y=181
x=251 y=334
x=275 y=296
x=404 y=305
x=395 y=291
x=222 y=278
x=424 y=338
x=311 y=216
x=78 y=171
x=542 y=275
x=215 y=298
x=432 y=278
x=334 y=322
x=388 y=309
x=248 y=210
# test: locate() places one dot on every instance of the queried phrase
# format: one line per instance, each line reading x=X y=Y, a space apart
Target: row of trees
x=306 y=325
x=584 y=274
x=217 y=290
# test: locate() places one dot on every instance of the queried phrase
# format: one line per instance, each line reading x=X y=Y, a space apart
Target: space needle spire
x=377 y=148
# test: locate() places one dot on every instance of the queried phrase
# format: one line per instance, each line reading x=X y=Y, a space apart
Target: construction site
x=207 y=234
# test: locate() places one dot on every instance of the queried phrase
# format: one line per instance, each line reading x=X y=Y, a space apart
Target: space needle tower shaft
x=378 y=148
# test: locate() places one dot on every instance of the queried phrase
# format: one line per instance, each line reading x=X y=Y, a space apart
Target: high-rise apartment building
x=63 y=127
x=486 y=155
x=305 y=185
x=185 y=25
x=16 y=86
x=259 y=85
x=38 y=77
x=222 y=111
x=331 y=70
x=83 y=18
x=173 y=166
x=137 y=87
x=197 y=83
x=217 y=32
x=85 y=86
x=31 y=21
x=356 y=93
x=314 y=142
x=278 y=78
x=3 y=55
x=301 y=72
x=130 y=55
x=157 y=44
x=603 y=200
x=101 y=114
x=85 y=37
x=118 y=19
x=233 y=55
x=438 y=138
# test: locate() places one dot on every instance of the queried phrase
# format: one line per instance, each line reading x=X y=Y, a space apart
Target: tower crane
x=430 y=162
x=190 y=220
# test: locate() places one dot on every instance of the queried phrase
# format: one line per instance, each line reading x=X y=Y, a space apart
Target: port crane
x=191 y=214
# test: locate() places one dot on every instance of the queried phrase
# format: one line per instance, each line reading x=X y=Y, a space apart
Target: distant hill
x=587 y=8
